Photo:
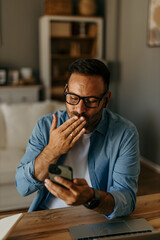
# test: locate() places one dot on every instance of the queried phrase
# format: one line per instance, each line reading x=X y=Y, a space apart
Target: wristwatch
x=94 y=202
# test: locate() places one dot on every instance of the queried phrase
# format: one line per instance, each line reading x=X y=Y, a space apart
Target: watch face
x=94 y=201
x=93 y=204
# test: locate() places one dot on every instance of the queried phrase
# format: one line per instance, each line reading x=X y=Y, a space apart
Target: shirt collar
x=103 y=124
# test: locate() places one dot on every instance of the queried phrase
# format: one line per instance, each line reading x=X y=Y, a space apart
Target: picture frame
x=3 y=76
x=154 y=23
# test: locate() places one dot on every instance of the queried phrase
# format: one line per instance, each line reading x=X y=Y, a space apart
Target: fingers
x=79 y=181
x=69 y=184
x=74 y=138
x=75 y=130
x=76 y=127
x=76 y=193
x=68 y=123
x=54 y=122
x=66 y=135
x=66 y=183
x=51 y=185
x=57 y=190
x=71 y=124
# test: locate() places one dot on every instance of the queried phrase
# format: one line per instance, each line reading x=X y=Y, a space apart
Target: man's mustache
x=80 y=115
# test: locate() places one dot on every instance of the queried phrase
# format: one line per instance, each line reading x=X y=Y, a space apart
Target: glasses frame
x=84 y=98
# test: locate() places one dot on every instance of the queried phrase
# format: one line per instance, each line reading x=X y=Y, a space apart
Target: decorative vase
x=87 y=7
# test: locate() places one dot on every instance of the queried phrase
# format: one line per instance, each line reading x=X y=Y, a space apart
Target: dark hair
x=91 y=67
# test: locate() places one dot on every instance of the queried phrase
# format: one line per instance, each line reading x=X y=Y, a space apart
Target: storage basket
x=58 y=7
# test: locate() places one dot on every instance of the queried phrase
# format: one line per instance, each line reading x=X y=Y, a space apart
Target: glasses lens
x=72 y=99
x=91 y=102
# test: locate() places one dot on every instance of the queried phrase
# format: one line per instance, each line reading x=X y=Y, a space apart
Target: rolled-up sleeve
x=25 y=181
x=125 y=174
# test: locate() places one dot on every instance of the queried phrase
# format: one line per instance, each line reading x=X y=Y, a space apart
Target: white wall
x=19 y=28
x=138 y=83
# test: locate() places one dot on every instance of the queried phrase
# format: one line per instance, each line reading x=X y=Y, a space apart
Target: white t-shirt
x=77 y=158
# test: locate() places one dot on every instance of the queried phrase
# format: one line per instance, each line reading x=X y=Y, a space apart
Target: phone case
x=60 y=170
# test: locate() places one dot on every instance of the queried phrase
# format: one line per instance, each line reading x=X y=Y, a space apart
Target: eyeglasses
x=90 y=102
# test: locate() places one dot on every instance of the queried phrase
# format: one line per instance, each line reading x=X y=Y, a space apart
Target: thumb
x=54 y=122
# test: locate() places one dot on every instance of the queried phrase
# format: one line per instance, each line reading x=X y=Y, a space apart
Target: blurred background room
x=38 y=41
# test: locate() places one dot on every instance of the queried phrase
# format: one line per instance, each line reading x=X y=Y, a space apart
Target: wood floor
x=149 y=183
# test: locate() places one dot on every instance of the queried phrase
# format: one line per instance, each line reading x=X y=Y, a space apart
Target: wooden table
x=54 y=224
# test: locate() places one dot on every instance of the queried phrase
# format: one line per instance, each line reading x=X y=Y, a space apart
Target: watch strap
x=94 y=202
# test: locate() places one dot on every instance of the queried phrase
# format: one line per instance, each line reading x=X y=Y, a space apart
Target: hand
x=61 y=140
x=65 y=136
x=78 y=192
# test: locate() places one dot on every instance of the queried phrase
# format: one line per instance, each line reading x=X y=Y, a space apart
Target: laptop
x=122 y=229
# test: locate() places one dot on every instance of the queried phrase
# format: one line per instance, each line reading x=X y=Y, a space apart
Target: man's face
x=86 y=86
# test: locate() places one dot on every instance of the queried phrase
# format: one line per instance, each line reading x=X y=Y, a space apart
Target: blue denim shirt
x=113 y=160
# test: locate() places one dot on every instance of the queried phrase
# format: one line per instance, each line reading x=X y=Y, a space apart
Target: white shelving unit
x=17 y=94
x=63 y=39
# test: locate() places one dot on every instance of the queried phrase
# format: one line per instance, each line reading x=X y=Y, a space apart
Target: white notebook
x=7 y=224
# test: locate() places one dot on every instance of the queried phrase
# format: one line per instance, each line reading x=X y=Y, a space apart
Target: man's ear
x=106 y=102
x=107 y=99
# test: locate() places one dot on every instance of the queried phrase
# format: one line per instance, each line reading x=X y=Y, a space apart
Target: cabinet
x=17 y=94
x=63 y=39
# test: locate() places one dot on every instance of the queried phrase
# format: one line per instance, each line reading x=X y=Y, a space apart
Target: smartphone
x=60 y=170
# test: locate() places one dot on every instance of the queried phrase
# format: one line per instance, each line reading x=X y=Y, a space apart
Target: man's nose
x=81 y=107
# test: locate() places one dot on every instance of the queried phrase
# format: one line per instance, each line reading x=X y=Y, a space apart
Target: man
x=100 y=146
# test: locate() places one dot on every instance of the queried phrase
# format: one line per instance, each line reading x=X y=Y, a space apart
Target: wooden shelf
x=68 y=56
x=64 y=39
x=20 y=86
x=59 y=79
x=76 y=37
x=57 y=90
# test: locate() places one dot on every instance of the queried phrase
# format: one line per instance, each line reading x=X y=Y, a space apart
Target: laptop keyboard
x=114 y=235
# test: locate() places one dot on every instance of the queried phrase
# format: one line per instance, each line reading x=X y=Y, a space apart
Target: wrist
x=94 y=201
x=42 y=162
x=49 y=155
x=91 y=195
